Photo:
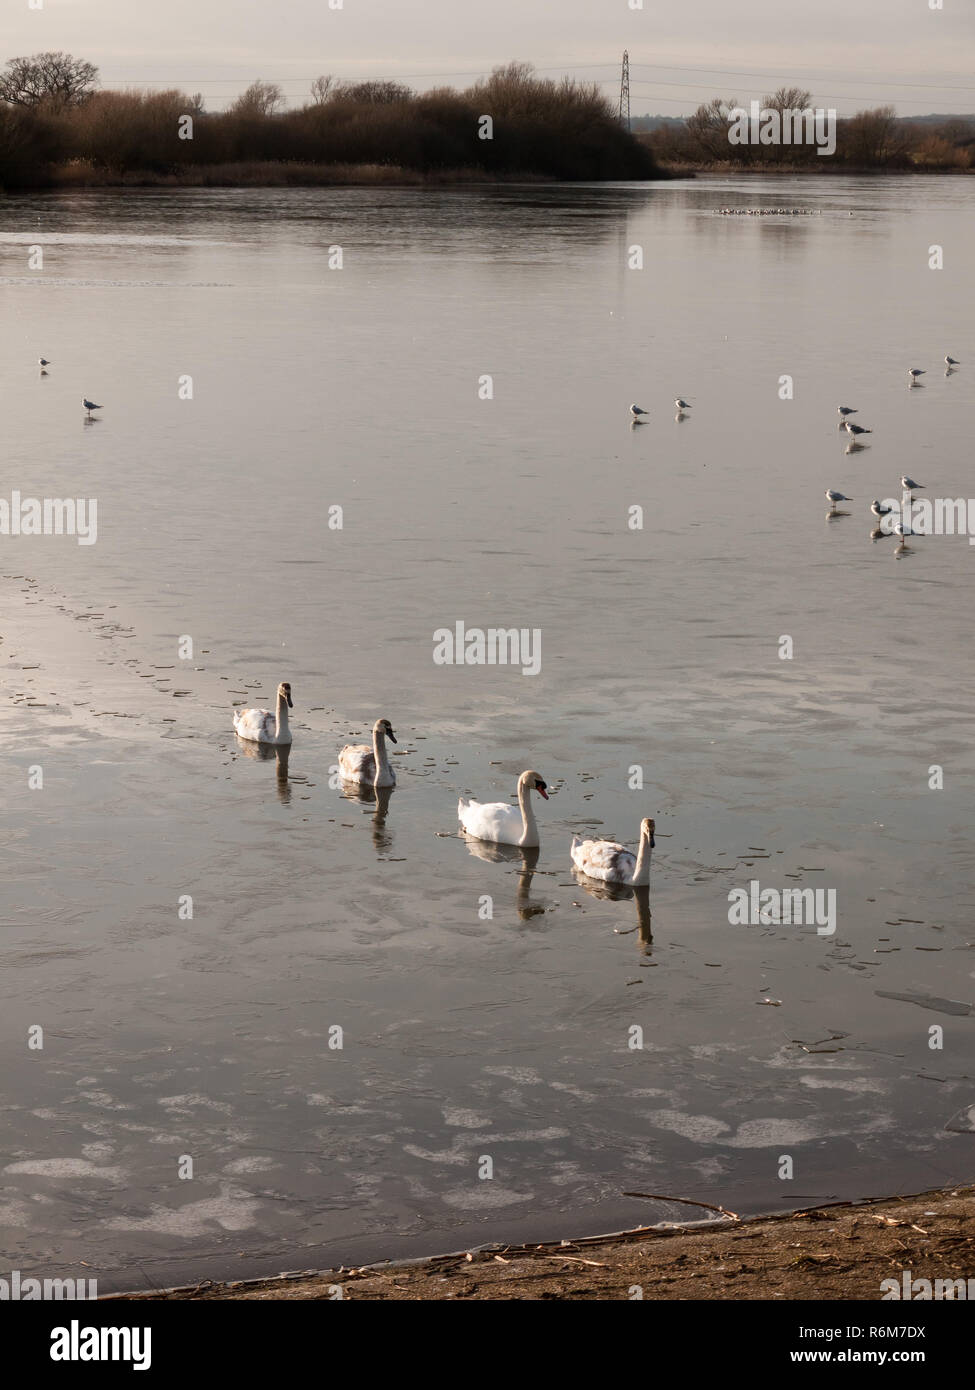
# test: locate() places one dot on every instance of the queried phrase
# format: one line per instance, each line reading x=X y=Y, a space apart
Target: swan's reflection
x=264 y=752
x=511 y=854
x=382 y=838
x=617 y=892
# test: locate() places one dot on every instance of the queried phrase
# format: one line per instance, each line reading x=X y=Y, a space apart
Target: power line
x=563 y=67
x=758 y=72
x=758 y=91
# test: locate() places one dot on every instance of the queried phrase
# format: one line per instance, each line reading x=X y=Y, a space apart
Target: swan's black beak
x=290 y=702
x=653 y=840
x=540 y=788
x=390 y=734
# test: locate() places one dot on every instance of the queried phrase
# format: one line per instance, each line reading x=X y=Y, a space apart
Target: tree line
x=57 y=126
x=873 y=139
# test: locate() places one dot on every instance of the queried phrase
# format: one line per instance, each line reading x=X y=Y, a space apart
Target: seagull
x=908 y=484
x=636 y=411
x=833 y=497
x=845 y=410
x=90 y=406
x=681 y=405
x=849 y=426
x=901 y=530
x=878 y=510
x=43 y=362
x=915 y=372
x=951 y=362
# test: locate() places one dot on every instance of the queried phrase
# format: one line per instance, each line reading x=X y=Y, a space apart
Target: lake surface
x=468 y=1036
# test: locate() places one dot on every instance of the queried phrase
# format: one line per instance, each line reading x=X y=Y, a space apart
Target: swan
x=261 y=726
x=360 y=763
x=501 y=822
x=613 y=863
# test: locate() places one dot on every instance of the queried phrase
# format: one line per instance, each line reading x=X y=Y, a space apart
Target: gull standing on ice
x=845 y=410
x=914 y=373
x=90 y=406
x=879 y=511
x=951 y=361
x=681 y=405
x=636 y=411
x=833 y=497
x=909 y=485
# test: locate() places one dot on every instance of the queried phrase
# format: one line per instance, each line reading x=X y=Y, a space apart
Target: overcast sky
x=849 y=53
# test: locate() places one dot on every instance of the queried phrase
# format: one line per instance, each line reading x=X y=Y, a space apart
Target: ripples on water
x=466 y=1034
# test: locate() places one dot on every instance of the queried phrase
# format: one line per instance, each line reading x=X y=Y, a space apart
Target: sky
x=848 y=53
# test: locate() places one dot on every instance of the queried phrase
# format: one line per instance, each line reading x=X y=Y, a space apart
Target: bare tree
x=321 y=88
x=788 y=99
x=709 y=126
x=55 y=79
x=260 y=99
x=378 y=93
x=875 y=138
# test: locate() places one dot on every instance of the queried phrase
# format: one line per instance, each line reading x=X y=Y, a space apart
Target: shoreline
x=295 y=174
x=842 y=1251
x=292 y=174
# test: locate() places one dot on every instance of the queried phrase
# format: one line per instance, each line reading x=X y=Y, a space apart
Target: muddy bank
x=840 y=1252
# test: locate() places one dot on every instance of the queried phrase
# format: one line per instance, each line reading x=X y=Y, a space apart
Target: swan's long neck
x=281 y=716
x=379 y=750
x=528 y=821
x=641 y=874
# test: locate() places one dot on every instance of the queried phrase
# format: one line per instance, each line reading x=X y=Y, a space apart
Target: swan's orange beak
x=540 y=788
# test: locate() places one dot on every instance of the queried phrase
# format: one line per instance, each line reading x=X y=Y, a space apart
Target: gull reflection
x=617 y=892
x=512 y=854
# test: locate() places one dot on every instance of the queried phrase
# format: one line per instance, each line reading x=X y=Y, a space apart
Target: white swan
x=261 y=726
x=360 y=763
x=501 y=822
x=613 y=863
